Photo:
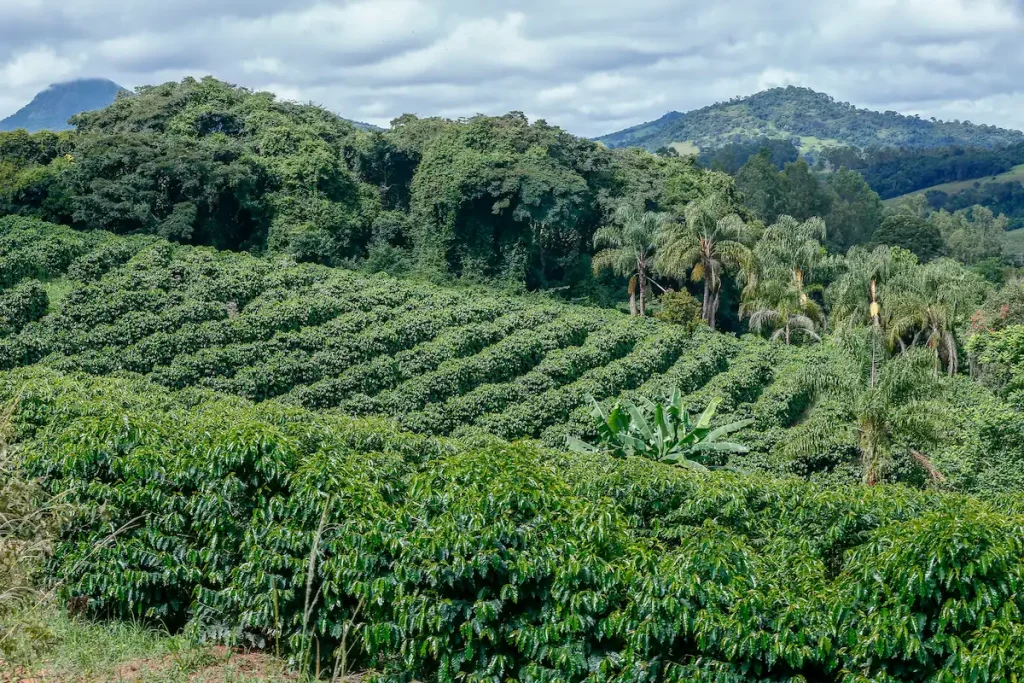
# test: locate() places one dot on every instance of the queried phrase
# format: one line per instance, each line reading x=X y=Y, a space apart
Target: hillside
x=437 y=361
x=51 y=109
x=288 y=450
x=816 y=119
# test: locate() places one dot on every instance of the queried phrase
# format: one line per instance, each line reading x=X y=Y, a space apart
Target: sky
x=589 y=66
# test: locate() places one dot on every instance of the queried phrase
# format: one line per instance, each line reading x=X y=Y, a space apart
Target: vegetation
x=799 y=113
x=367 y=473
x=558 y=565
x=660 y=431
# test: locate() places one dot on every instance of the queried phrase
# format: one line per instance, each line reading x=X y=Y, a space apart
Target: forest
x=481 y=400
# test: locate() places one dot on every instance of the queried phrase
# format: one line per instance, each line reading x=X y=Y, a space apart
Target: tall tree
x=785 y=310
x=629 y=245
x=891 y=404
x=854 y=297
x=929 y=304
x=806 y=197
x=712 y=241
x=763 y=188
x=913 y=233
x=856 y=210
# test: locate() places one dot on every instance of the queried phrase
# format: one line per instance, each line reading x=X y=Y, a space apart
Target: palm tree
x=890 y=403
x=629 y=245
x=712 y=240
x=791 y=250
x=784 y=309
x=788 y=257
x=929 y=303
x=854 y=297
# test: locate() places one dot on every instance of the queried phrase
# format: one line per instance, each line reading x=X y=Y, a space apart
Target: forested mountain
x=814 y=118
x=51 y=109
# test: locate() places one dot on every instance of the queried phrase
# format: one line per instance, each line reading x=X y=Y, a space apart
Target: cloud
x=591 y=66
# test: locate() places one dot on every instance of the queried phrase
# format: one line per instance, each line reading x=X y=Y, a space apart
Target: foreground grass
x=49 y=646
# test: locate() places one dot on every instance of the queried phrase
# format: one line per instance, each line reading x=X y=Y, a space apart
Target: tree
x=786 y=310
x=762 y=187
x=792 y=251
x=856 y=210
x=971 y=235
x=891 y=405
x=928 y=304
x=789 y=257
x=854 y=296
x=806 y=198
x=629 y=245
x=712 y=240
x=912 y=233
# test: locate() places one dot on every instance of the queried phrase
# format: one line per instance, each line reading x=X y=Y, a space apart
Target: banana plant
x=660 y=431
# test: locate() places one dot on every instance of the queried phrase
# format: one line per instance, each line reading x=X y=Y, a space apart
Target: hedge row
x=483 y=561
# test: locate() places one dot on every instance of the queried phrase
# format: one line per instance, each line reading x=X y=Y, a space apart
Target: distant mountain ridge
x=51 y=109
x=815 y=119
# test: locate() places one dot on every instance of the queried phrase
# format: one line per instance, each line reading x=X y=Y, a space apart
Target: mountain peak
x=811 y=119
x=51 y=108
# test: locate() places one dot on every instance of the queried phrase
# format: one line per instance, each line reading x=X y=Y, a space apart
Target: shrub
x=480 y=560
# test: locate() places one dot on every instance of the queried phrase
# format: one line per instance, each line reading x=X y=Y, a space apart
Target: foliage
x=913 y=233
x=712 y=240
x=891 y=402
x=1000 y=354
x=660 y=431
x=679 y=308
x=793 y=112
x=557 y=566
x=629 y=246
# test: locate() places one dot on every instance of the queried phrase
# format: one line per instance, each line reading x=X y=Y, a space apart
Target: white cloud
x=591 y=66
x=36 y=67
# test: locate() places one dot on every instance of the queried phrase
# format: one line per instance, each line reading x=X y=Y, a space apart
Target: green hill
x=189 y=405
x=814 y=119
x=439 y=361
x=51 y=109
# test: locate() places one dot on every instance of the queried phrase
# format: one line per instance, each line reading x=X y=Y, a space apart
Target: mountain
x=51 y=109
x=815 y=119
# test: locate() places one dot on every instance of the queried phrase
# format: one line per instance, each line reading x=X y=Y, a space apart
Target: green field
x=1014 y=243
x=1014 y=174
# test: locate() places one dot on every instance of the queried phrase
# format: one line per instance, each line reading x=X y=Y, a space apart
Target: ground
x=49 y=647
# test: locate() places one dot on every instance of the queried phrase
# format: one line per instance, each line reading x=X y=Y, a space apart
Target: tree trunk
x=642 y=272
x=632 y=295
x=787 y=333
x=705 y=311
x=875 y=308
x=713 y=308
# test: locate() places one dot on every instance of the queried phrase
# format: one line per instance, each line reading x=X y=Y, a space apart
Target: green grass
x=1014 y=174
x=1013 y=243
x=686 y=148
x=809 y=143
x=55 y=647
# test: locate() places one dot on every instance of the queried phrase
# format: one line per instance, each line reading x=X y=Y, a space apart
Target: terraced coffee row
x=439 y=360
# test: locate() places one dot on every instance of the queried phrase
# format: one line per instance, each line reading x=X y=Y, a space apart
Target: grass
x=686 y=148
x=1014 y=174
x=809 y=143
x=1013 y=243
x=55 y=648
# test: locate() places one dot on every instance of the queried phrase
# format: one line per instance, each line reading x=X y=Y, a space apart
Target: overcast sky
x=590 y=66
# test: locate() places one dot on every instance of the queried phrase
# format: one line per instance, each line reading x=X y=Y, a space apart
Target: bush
x=480 y=560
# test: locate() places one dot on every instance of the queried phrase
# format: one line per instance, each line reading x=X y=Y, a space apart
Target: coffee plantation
x=440 y=361
x=315 y=460
x=475 y=559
